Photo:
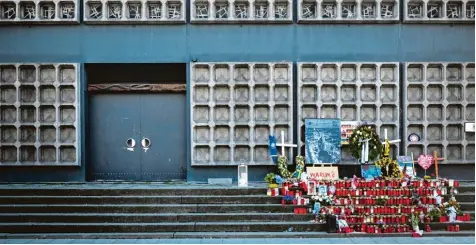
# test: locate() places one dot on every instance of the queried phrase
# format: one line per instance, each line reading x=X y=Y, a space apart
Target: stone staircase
x=96 y=210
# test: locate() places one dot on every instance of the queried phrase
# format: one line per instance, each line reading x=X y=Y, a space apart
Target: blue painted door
x=163 y=125
x=113 y=120
x=137 y=137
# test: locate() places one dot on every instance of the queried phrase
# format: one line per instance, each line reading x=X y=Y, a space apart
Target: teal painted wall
x=223 y=43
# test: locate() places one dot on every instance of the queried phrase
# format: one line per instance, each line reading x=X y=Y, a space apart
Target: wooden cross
x=284 y=144
x=435 y=159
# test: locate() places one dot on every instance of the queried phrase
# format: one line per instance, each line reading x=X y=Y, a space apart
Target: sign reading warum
x=323 y=173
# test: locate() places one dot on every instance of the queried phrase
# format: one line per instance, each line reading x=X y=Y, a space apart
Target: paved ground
x=383 y=240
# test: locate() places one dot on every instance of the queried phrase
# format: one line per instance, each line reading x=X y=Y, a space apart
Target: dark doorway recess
x=136 y=128
x=153 y=73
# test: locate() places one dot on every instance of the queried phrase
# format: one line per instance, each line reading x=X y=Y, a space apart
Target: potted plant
x=435 y=214
x=271 y=180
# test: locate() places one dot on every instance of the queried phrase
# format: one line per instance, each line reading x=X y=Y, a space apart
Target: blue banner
x=273 y=151
x=323 y=140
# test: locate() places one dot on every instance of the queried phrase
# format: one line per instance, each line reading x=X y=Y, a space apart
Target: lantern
x=242 y=175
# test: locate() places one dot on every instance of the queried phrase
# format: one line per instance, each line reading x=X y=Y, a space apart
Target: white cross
x=390 y=141
x=365 y=151
x=284 y=144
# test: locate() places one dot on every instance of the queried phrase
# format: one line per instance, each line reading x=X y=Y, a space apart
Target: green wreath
x=283 y=167
x=361 y=133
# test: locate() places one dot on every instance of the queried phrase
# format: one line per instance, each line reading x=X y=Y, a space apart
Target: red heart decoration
x=425 y=161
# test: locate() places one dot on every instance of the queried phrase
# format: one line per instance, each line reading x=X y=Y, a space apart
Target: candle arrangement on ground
x=376 y=206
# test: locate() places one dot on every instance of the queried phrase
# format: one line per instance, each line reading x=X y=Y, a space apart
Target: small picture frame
x=311 y=188
x=322 y=190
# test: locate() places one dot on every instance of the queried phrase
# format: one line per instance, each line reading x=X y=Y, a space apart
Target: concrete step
x=270 y=226
x=148 y=217
x=91 y=190
x=229 y=235
x=236 y=199
x=145 y=190
x=147 y=208
x=158 y=227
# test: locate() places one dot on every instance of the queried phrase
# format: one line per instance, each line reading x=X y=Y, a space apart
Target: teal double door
x=137 y=137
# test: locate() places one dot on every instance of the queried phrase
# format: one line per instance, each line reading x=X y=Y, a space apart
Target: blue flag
x=273 y=151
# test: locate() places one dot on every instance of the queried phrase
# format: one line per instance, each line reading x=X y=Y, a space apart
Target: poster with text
x=323 y=140
x=346 y=130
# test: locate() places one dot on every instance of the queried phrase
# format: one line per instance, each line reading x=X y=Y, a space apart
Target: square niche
x=454 y=72
x=261 y=93
x=47 y=114
x=8 y=74
x=27 y=73
x=261 y=73
x=201 y=134
x=434 y=113
x=242 y=94
x=241 y=10
x=8 y=114
x=454 y=10
x=27 y=10
x=388 y=93
x=67 y=74
x=221 y=94
x=241 y=73
x=281 y=10
x=434 y=132
x=328 y=10
x=368 y=73
x=201 y=114
x=434 y=93
x=67 y=154
x=67 y=10
x=415 y=10
x=222 y=73
x=348 y=72
x=309 y=73
x=27 y=154
x=67 y=94
x=222 y=10
x=47 y=74
x=47 y=154
x=434 y=72
x=201 y=154
x=415 y=73
x=470 y=10
x=388 y=113
x=387 y=10
x=28 y=114
x=8 y=94
x=222 y=154
x=328 y=93
x=368 y=113
x=261 y=8
x=8 y=134
x=261 y=134
x=454 y=113
x=242 y=114
x=415 y=93
x=201 y=94
x=348 y=113
x=368 y=93
x=242 y=134
x=281 y=93
x=242 y=154
x=154 y=10
x=95 y=10
x=281 y=114
x=261 y=113
x=221 y=134
x=222 y=114
x=8 y=154
x=454 y=132
x=348 y=93
x=415 y=129
x=368 y=10
x=47 y=10
x=328 y=73
x=328 y=111
x=434 y=9
x=134 y=10
x=348 y=10
x=67 y=114
x=309 y=93
x=8 y=10
x=387 y=73
x=67 y=134
x=309 y=9
x=114 y=10
x=47 y=134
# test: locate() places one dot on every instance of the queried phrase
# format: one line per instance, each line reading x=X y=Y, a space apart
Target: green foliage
x=361 y=133
x=270 y=178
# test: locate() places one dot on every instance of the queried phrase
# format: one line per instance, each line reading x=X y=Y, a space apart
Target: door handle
x=146 y=144
x=130 y=143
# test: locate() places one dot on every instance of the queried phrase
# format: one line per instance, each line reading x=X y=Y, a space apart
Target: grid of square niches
x=38 y=114
x=147 y=11
x=348 y=11
x=241 y=11
x=439 y=99
x=235 y=107
x=362 y=92
x=439 y=11
x=12 y=11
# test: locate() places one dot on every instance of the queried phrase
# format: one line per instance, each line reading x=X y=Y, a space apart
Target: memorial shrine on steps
x=189 y=90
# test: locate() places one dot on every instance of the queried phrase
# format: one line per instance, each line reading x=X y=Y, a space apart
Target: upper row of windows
x=242 y=11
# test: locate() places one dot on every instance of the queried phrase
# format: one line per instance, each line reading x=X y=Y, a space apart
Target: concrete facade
x=356 y=42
